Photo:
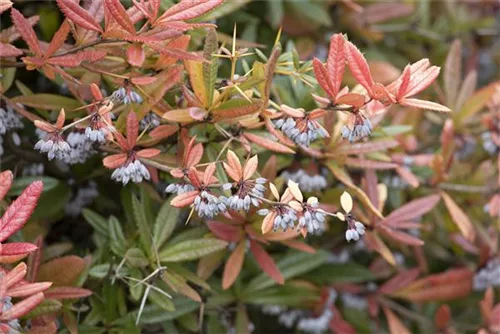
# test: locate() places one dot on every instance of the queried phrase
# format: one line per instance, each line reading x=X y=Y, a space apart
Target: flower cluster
x=306 y=182
x=302 y=128
x=126 y=96
x=81 y=148
x=9 y=120
x=362 y=128
x=179 y=188
x=487 y=276
x=489 y=143
x=312 y=218
x=150 y=122
x=85 y=195
x=54 y=145
x=132 y=170
x=354 y=228
x=208 y=205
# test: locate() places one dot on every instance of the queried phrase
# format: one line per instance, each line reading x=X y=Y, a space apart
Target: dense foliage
x=164 y=172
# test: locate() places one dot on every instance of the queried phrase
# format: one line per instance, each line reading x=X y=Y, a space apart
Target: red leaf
x=18 y=213
x=135 y=54
x=14 y=276
x=67 y=293
x=402 y=237
x=193 y=154
x=142 y=81
x=359 y=67
x=23 y=307
x=335 y=63
x=405 y=81
x=8 y=50
x=58 y=39
x=176 y=53
x=76 y=59
x=28 y=289
x=233 y=265
x=352 y=99
x=4 y=5
x=339 y=325
x=120 y=15
x=395 y=325
x=237 y=111
x=267 y=143
x=413 y=209
x=163 y=131
x=408 y=176
x=301 y=246
x=5 y=183
x=422 y=104
x=188 y=9
x=132 y=129
x=17 y=248
x=323 y=78
x=225 y=231
x=420 y=81
x=442 y=317
x=266 y=262
x=77 y=14
x=184 y=199
x=26 y=31
x=114 y=161
x=148 y=153
x=399 y=281
x=459 y=217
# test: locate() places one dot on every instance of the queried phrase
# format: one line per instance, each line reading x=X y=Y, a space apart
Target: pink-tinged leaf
x=198 y=114
x=176 y=53
x=400 y=281
x=67 y=293
x=401 y=237
x=376 y=243
x=193 y=154
x=422 y=104
x=266 y=262
x=225 y=231
x=114 y=161
x=413 y=209
x=250 y=167
x=148 y=153
x=184 y=199
x=396 y=326
x=421 y=81
x=14 y=276
x=8 y=50
x=23 y=307
x=209 y=173
x=368 y=147
x=143 y=81
x=339 y=325
x=323 y=78
x=26 y=31
x=235 y=112
x=443 y=317
x=352 y=99
x=17 y=248
x=78 y=15
x=58 y=39
x=188 y=9
x=163 y=131
x=68 y=269
x=233 y=166
x=4 y=5
x=408 y=176
x=233 y=265
x=299 y=245
x=136 y=55
x=335 y=63
x=5 y=183
x=267 y=223
x=267 y=143
x=405 y=81
x=459 y=217
x=359 y=67
x=132 y=129
x=96 y=10
x=76 y=59
x=18 y=213
x=120 y=15
x=28 y=289
x=370 y=164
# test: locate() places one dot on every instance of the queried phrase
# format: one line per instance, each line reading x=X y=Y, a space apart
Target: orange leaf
x=5 y=183
x=18 y=213
x=459 y=217
x=163 y=131
x=422 y=104
x=186 y=10
x=58 y=39
x=184 y=199
x=136 y=55
x=323 y=78
x=114 y=161
x=267 y=143
x=67 y=292
x=68 y=269
x=335 y=63
x=148 y=153
x=250 y=167
x=77 y=14
x=233 y=265
x=233 y=166
x=352 y=99
x=237 y=111
x=120 y=15
x=76 y=59
x=442 y=317
x=301 y=246
x=225 y=231
x=395 y=325
x=266 y=262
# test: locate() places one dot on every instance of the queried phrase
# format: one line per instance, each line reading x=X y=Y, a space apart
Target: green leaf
x=136 y=258
x=190 y=276
x=117 y=238
x=161 y=300
x=292 y=265
x=165 y=223
x=210 y=69
x=341 y=273
x=291 y=296
x=7 y=76
x=142 y=224
x=45 y=307
x=275 y=12
x=191 y=250
x=48 y=102
x=20 y=184
x=100 y=271
x=98 y=222
x=153 y=314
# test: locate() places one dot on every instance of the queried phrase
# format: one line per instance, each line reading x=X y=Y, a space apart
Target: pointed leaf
x=187 y=9
x=395 y=325
x=120 y=15
x=422 y=104
x=23 y=307
x=266 y=262
x=77 y=14
x=459 y=217
x=267 y=143
x=233 y=265
x=191 y=249
x=359 y=67
x=453 y=71
x=413 y=209
x=18 y=213
x=6 y=178
x=27 y=33
x=58 y=39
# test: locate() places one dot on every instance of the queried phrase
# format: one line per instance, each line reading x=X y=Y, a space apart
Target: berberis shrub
x=188 y=180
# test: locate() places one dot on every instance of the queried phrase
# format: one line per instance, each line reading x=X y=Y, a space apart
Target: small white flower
x=359 y=131
x=133 y=171
x=178 y=189
x=208 y=205
x=54 y=145
x=126 y=96
x=150 y=121
x=311 y=132
x=307 y=182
